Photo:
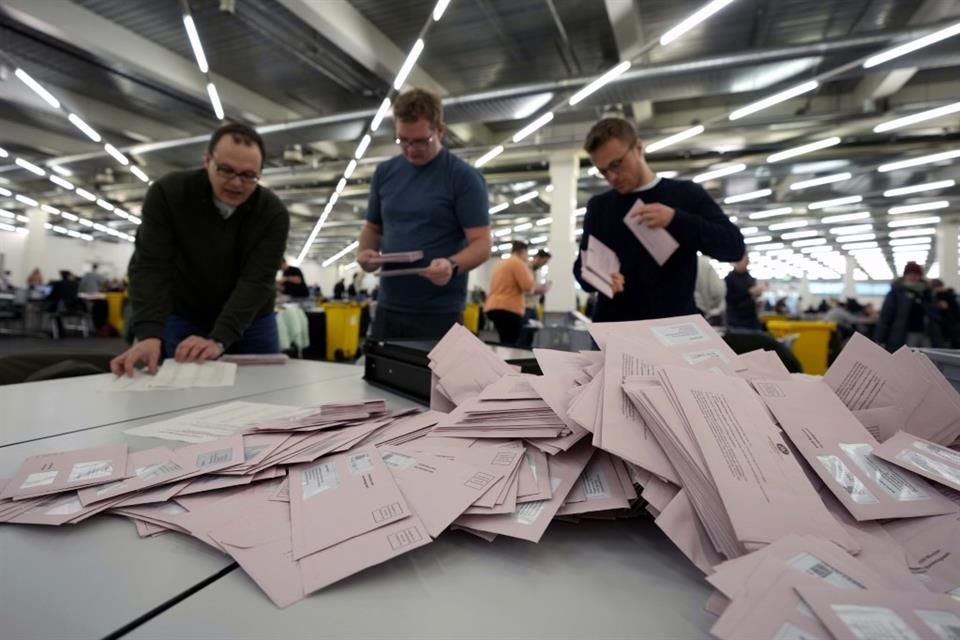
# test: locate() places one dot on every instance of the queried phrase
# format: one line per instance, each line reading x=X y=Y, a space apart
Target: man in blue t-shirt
x=425 y=199
x=642 y=288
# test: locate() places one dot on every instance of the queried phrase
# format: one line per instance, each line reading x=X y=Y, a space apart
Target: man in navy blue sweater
x=643 y=289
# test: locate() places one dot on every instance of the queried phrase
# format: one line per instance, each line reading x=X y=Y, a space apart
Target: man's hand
x=146 y=351
x=616 y=282
x=654 y=215
x=365 y=260
x=439 y=271
x=197 y=349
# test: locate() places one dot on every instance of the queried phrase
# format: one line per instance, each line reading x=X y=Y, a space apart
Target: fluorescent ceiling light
x=86 y=195
x=351 y=167
x=794 y=235
x=911 y=46
x=835 y=202
x=503 y=206
x=28 y=80
x=921 y=160
x=7 y=227
x=523 y=227
x=853 y=228
x=817 y=249
x=751 y=195
x=362 y=147
x=599 y=82
x=915 y=208
x=500 y=233
x=533 y=126
x=339 y=254
x=579 y=212
x=215 y=100
x=693 y=20
x=63 y=171
x=381 y=114
x=757 y=239
x=7 y=214
x=66 y=215
x=719 y=173
x=858 y=237
x=858 y=245
x=922 y=116
x=907 y=233
x=488 y=156
x=26 y=200
x=749 y=230
x=913 y=222
x=85 y=222
x=804 y=149
x=138 y=172
x=103 y=204
x=341 y=185
x=919 y=188
x=539 y=239
x=812 y=242
x=526 y=197
x=115 y=153
x=83 y=126
x=816 y=182
x=768 y=247
x=846 y=217
x=50 y=210
x=195 y=44
x=439 y=8
x=770 y=213
x=29 y=166
x=777 y=98
x=407 y=66
x=663 y=143
x=544 y=221
x=789 y=224
x=903 y=242
x=3 y=153
x=668 y=174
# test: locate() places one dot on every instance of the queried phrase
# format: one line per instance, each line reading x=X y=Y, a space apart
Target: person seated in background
x=292 y=283
x=64 y=297
x=512 y=279
x=742 y=293
x=710 y=294
x=202 y=275
x=909 y=314
x=92 y=281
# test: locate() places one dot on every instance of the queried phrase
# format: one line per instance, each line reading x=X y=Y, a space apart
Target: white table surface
x=589 y=580
x=42 y=409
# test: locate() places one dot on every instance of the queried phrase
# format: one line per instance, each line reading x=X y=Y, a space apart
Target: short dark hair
x=518 y=246
x=543 y=253
x=416 y=104
x=913 y=267
x=241 y=134
x=608 y=129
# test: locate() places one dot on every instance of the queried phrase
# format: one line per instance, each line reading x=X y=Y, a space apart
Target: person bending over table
x=206 y=255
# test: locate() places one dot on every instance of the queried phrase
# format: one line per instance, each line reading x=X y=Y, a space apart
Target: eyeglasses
x=415 y=143
x=228 y=173
x=615 y=166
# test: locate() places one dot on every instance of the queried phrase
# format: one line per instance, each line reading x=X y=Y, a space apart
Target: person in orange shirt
x=511 y=281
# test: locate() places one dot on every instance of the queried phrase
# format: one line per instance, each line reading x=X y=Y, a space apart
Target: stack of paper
x=598 y=263
x=461 y=367
x=178 y=375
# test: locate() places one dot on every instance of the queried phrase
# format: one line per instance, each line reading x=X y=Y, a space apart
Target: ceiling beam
x=84 y=29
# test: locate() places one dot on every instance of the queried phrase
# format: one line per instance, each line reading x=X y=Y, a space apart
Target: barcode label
x=928 y=465
x=220 y=456
x=813 y=566
x=360 y=463
x=91 y=470
x=151 y=472
x=886 y=476
x=949 y=455
x=319 y=478
x=398 y=460
x=528 y=513
x=40 y=479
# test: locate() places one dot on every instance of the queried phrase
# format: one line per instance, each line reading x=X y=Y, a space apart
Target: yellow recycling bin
x=812 y=344
x=471 y=317
x=343 y=329
x=115 y=300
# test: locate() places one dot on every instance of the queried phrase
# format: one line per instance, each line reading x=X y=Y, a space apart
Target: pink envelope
x=928 y=459
x=147 y=468
x=356 y=486
x=50 y=473
x=773 y=614
x=680 y=523
x=600 y=486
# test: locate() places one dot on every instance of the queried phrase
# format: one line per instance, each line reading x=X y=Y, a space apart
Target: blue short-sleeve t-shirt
x=426 y=208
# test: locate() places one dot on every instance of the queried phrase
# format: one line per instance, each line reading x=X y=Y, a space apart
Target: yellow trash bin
x=471 y=317
x=115 y=300
x=343 y=329
x=812 y=344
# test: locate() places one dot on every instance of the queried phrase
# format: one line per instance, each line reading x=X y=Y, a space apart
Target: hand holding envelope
x=647 y=222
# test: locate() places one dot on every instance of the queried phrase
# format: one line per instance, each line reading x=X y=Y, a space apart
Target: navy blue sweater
x=652 y=291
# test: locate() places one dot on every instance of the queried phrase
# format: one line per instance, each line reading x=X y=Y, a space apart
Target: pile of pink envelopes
x=816 y=507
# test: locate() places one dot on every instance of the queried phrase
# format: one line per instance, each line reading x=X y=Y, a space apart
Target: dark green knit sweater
x=191 y=262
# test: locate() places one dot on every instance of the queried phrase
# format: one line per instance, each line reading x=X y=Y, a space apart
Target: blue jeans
x=260 y=337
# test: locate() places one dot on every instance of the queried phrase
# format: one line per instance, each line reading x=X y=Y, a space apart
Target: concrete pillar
x=947 y=253
x=849 y=284
x=564 y=171
x=35 y=252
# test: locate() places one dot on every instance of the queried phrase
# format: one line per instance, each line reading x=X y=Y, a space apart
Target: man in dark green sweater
x=203 y=272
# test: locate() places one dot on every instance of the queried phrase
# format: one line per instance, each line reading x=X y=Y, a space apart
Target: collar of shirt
x=225 y=210
x=649 y=185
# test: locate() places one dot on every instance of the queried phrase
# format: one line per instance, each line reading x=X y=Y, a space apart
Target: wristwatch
x=454 y=267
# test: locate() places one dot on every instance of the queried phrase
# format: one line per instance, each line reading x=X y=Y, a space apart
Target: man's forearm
x=473 y=255
x=370 y=238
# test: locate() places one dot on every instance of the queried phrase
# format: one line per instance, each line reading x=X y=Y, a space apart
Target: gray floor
x=15 y=344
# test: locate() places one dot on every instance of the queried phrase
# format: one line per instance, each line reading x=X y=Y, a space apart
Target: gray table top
x=43 y=409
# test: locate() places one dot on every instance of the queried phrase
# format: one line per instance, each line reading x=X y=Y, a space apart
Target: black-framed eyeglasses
x=414 y=143
x=228 y=173
x=615 y=166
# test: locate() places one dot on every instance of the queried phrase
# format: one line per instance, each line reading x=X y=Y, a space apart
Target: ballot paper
x=839 y=449
x=597 y=264
x=391 y=273
x=178 y=375
x=244 y=359
x=657 y=241
x=928 y=459
x=876 y=613
x=397 y=257
x=216 y=422
x=51 y=473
